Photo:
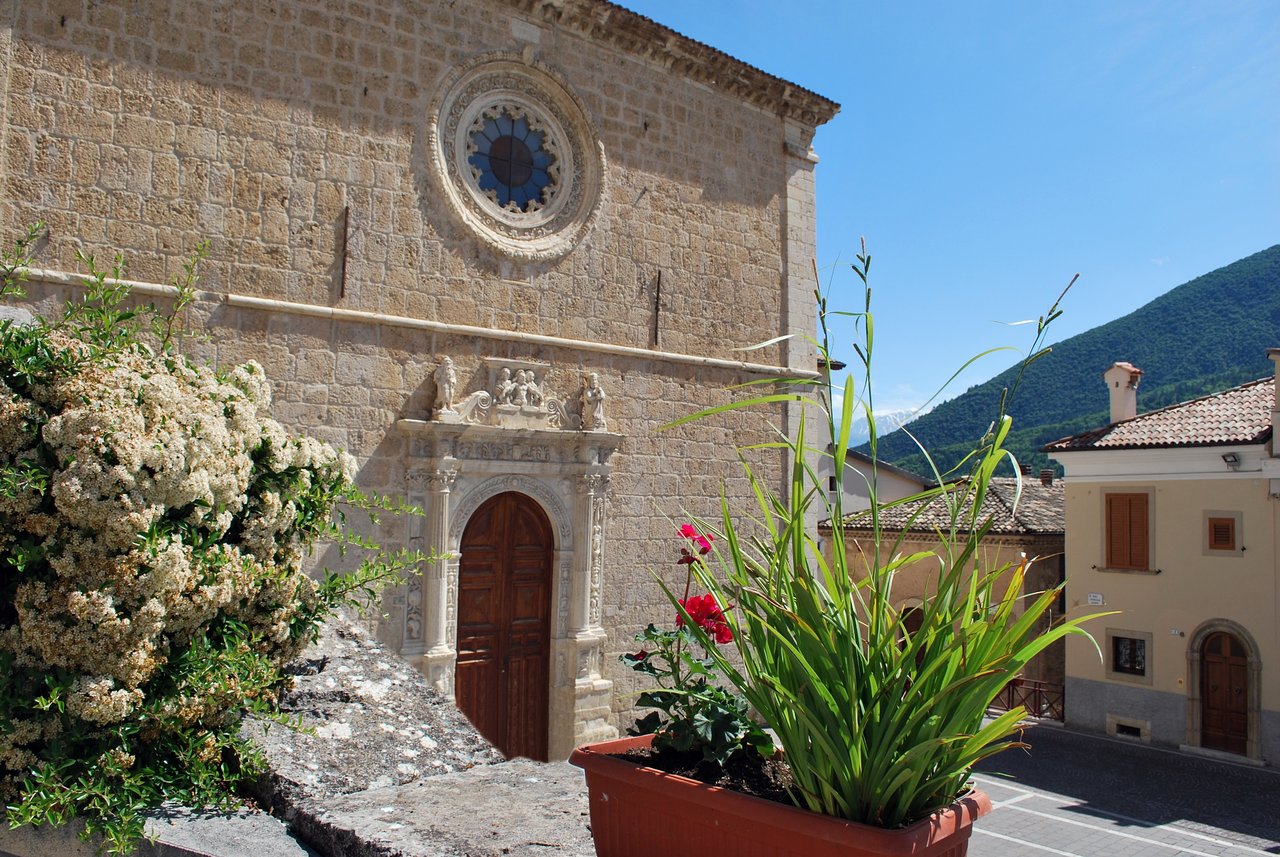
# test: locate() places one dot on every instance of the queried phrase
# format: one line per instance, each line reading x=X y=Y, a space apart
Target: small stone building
x=587 y=213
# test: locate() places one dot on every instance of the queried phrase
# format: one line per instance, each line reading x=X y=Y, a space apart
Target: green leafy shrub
x=693 y=712
x=154 y=521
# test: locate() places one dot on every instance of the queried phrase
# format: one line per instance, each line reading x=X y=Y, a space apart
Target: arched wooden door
x=504 y=622
x=1224 y=694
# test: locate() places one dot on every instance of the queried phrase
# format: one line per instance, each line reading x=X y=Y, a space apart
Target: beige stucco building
x=540 y=192
x=1173 y=521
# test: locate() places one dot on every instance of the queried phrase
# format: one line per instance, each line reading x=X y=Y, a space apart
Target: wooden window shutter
x=1128 y=545
x=1138 y=542
x=1117 y=531
x=1222 y=534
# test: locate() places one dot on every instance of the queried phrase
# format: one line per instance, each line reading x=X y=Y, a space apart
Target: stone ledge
x=516 y=809
x=176 y=832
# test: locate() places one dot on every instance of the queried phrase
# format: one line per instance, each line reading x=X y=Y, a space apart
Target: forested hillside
x=1203 y=336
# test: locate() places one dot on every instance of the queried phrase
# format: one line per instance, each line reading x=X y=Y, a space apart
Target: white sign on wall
x=1096 y=599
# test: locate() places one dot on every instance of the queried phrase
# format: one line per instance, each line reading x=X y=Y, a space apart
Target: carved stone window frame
x=497 y=81
x=453 y=469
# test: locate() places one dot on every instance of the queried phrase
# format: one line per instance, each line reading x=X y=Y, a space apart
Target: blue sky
x=989 y=151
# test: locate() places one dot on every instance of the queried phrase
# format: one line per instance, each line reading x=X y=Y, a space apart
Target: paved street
x=1078 y=795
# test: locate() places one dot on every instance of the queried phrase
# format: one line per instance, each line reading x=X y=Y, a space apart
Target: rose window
x=516 y=157
x=512 y=159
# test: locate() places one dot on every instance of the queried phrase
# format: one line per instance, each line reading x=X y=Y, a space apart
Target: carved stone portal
x=455 y=466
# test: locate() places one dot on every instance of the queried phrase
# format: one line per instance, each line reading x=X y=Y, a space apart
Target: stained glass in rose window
x=512 y=160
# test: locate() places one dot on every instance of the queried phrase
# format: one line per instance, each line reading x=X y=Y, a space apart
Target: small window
x=1129 y=655
x=1128 y=538
x=1222 y=534
x=832 y=485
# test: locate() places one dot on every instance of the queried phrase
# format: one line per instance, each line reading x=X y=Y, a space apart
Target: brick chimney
x=1122 y=382
x=1046 y=476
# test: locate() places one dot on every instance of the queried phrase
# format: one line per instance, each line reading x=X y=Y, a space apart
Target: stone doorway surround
x=478 y=449
x=1253 y=701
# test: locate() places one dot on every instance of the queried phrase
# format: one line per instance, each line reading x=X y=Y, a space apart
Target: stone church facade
x=586 y=213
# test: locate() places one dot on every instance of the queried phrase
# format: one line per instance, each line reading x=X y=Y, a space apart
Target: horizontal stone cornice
x=65 y=278
x=609 y=23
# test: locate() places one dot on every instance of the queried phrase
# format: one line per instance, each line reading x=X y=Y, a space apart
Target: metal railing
x=1039 y=698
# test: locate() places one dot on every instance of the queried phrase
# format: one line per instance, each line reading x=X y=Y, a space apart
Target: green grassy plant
x=879 y=725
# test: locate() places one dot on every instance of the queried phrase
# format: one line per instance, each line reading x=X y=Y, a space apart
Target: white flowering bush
x=154 y=521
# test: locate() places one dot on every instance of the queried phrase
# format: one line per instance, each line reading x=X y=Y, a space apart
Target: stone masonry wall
x=146 y=126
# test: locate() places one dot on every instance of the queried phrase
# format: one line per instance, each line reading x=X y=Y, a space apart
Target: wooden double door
x=504 y=624
x=1224 y=694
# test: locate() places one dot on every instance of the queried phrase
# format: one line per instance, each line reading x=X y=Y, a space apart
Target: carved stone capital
x=594 y=484
x=441 y=480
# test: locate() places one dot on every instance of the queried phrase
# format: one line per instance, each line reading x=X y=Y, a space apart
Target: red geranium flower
x=708 y=616
x=701 y=540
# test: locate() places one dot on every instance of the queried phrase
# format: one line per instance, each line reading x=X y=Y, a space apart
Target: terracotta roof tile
x=1039 y=511
x=1239 y=415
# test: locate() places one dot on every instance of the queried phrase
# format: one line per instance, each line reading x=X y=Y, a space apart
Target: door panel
x=504 y=610
x=1224 y=694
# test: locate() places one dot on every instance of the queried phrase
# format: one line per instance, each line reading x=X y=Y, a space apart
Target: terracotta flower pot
x=639 y=812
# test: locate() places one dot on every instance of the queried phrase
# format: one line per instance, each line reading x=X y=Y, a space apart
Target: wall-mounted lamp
x=1232 y=460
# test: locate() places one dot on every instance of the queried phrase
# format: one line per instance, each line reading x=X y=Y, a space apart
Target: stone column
x=585 y=635
x=584 y=606
x=439 y=656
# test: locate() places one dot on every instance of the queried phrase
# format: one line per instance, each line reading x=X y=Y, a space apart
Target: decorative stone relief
x=593 y=405
x=446 y=385
x=535 y=488
x=451 y=605
x=567 y=472
x=413 y=608
x=595 y=487
x=516 y=396
x=597 y=559
x=566 y=591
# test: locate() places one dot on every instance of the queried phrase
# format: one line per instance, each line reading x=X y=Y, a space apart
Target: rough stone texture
x=177 y=832
x=369 y=721
x=384 y=765
x=516 y=808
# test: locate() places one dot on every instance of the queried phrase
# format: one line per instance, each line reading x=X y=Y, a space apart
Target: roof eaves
x=637 y=34
x=1077 y=441
x=892 y=468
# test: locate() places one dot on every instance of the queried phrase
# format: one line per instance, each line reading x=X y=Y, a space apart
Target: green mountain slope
x=1203 y=336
